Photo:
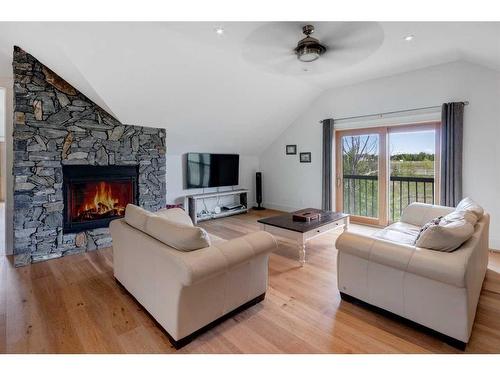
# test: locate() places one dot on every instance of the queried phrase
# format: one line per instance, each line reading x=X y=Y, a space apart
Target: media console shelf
x=195 y=200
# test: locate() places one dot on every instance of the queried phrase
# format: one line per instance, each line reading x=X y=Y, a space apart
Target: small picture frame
x=291 y=149
x=305 y=157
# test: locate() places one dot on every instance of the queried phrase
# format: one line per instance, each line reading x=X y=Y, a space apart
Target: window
x=379 y=171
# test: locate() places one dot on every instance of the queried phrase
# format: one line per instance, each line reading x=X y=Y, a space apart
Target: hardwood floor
x=73 y=305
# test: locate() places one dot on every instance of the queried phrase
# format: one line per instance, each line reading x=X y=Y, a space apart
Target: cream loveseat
x=186 y=291
x=436 y=289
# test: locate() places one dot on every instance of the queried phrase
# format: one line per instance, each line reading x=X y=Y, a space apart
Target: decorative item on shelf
x=203 y=214
x=307 y=215
x=291 y=149
x=305 y=157
x=233 y=207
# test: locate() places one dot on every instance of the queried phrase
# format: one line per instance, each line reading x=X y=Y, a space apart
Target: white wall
x=2 y=150
x=2 y=112
x=176 y=178
x=7 y=84
x=290 y=185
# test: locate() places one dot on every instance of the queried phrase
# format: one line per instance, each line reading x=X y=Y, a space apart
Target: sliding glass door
x=379 y=171
x=414 y=166
x=361 y=174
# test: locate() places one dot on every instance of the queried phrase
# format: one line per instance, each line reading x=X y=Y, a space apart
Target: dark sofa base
x=447 y=339
x=177 y=344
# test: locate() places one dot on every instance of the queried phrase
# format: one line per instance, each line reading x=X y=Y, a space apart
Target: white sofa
x=187 y=292
x=438 y=290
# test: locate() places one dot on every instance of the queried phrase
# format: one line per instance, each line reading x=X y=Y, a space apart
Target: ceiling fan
x=309 y=48
x=274 y=47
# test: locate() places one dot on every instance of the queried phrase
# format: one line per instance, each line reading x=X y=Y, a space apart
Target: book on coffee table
x=307 y=214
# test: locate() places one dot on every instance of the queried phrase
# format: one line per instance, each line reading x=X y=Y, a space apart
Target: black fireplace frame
x=87 y=173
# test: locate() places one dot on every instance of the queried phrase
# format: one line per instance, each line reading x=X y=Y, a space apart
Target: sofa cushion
x=180 y=236
x=399 y=232
x=469 y=205
x=420 y=213
x=444 y=235
x=175 y=214
x=378 y=250
x=136 y=216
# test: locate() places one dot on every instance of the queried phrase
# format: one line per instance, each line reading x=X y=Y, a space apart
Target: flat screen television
x=212 y=170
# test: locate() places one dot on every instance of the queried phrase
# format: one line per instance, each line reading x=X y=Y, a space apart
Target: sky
x=402 y=143
x=414 y=142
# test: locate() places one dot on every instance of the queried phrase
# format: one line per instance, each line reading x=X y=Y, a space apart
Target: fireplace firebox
x=95 y=195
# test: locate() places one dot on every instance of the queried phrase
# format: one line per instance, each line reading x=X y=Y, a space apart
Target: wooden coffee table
x=299 y=232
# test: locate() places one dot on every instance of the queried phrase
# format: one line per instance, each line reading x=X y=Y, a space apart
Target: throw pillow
x=430 y=223
x=136 y=216
x=175 y=214
x=444 y=235
x=180 y=236
x=456 y=215
x=468 y=204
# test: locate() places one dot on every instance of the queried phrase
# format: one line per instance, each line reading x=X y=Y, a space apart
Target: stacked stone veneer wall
x=55 y=125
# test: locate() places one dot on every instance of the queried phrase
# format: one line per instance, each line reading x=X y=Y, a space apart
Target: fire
x=103 y=203
x=103 y=198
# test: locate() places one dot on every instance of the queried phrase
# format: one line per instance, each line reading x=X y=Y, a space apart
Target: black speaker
x=258 y=191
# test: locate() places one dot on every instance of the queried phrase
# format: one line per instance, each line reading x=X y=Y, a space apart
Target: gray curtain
x=452 y=124
x=326 y=195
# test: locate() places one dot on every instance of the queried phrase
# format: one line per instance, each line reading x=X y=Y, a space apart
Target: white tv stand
x=194 y=200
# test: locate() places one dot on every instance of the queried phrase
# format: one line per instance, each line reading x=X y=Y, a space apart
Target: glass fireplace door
x=95 y=195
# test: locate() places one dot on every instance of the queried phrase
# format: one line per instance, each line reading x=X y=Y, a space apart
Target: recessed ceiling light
x=409 y=38
x=219 y=30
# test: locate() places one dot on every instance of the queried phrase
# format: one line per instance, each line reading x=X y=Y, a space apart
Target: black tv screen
x=212 y=170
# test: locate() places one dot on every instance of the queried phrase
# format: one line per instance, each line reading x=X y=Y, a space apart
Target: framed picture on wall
x=291 y=149
x=305 y=157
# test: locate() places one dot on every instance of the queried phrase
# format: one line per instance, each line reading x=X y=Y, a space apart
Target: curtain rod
x=390 y=113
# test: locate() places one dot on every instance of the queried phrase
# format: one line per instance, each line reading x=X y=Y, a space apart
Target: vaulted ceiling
x=236 y=92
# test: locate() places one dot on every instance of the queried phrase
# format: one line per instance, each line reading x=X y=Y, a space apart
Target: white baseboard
x=251 y=204
x=495 y=244
x=279 y=207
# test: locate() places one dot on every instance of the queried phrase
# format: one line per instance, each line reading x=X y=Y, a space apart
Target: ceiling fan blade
x=327 y=31
x=353 y=35
x=276 y=35
x=268 y=56
x=277 y=61
x=272 y=45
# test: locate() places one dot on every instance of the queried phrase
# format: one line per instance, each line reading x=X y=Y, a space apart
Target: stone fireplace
x=75 y=166
x=95 y=195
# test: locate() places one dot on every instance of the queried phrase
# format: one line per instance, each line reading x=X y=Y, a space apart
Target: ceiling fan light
x=308 y=54
x=309 y=48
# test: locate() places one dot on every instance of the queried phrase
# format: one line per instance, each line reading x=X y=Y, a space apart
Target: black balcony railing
x=361 y=194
